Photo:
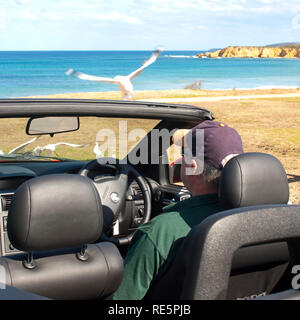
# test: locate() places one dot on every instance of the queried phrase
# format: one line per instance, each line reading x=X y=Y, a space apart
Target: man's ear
x=194 y=165
x=191 y=167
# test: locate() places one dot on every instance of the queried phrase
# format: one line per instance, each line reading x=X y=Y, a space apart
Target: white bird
x=51 y=147
x=37 y=151
x=97 y=151
x=124 y=82
x=1 y=152
x=22 y=146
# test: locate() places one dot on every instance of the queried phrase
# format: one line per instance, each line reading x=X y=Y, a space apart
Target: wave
x=180 y=56
x=188 y=57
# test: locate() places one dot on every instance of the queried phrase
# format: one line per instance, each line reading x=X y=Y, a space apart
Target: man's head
x=207 y=148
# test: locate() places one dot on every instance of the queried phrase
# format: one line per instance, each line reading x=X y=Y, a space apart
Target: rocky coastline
x=253 y=52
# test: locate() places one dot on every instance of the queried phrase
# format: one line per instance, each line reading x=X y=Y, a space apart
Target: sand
x=182 y=94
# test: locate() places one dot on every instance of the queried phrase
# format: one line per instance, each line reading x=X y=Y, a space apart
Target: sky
x=146 y=24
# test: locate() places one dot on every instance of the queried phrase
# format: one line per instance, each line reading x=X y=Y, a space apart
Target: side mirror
x=51 y=125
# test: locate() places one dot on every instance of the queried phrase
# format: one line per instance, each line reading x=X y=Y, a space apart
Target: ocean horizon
x=30 y=73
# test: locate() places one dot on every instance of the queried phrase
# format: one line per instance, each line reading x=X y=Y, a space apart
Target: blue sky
x=146 y=24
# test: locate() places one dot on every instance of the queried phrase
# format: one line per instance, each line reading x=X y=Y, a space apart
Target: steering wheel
x=112 y=190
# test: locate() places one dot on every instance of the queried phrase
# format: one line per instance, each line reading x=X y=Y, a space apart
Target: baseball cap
x=220 y=142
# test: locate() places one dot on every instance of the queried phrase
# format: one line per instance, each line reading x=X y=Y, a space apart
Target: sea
x=30 y=73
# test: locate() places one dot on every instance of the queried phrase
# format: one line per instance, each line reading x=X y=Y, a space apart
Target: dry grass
x=266 y=125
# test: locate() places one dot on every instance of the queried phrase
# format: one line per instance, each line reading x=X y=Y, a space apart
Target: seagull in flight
x=124 y=82
x=97 y=150
x=22 y=146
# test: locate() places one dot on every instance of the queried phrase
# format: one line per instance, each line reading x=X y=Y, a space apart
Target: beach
x=177 y=95
x=268 y=119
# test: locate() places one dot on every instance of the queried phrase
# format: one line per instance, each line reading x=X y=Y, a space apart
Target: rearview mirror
x=51 y=125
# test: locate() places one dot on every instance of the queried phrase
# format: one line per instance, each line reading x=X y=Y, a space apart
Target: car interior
x=66 y=224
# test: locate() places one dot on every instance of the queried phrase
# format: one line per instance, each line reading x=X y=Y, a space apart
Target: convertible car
x=78 y=177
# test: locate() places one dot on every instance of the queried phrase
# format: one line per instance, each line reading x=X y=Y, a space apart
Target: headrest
x=251 y=179
x=54 y=212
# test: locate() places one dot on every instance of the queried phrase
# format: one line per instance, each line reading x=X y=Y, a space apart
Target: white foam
x=180 y=56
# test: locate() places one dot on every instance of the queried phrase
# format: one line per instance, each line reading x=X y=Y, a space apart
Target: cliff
x=253 y=52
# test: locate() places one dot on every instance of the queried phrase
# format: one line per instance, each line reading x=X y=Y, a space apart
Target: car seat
x=246 y=251
x=53 y=221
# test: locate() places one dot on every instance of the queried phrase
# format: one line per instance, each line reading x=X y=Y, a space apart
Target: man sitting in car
x=155 y=244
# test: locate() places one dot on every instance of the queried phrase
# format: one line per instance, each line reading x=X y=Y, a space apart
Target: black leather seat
x=53 y=220
x=244 y=252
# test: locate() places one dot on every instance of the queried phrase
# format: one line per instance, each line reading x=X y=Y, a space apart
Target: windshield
x=96 y=137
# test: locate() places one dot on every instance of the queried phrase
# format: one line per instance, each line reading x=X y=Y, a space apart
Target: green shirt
x=155 y=243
